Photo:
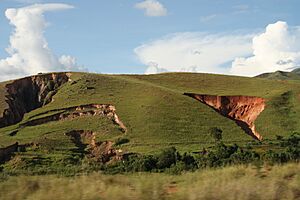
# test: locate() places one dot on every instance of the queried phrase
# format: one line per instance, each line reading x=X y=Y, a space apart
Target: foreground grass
x=239 y=182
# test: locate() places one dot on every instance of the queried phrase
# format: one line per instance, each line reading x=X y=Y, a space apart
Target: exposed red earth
x=244 y=110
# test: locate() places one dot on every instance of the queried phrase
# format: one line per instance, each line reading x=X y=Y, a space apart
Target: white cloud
x=278 y=48
x=68 y=61
x=28 y=50
x=193 y=52
x=152 y=8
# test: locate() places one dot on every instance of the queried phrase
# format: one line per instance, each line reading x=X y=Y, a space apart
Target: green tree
x=167 y=158
x=216 y=133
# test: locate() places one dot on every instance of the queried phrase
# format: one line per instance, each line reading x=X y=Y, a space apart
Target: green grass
x=281 y=75
x=158 y=115
x=239 y=182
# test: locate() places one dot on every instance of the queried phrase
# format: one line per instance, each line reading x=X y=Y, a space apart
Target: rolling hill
x=282 y=75
x=55 y=116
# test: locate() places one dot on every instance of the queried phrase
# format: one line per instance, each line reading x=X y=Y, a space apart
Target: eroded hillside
x=26 y=94
x=150 y=109
x=243 y=110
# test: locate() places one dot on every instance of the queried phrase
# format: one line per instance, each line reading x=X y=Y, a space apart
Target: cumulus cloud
x=277 y=48
x=28 y=50
x=152 y=8
x=193 y=52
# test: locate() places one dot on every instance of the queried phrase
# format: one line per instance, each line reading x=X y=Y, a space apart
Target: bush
x=139 y=163
x=166 y=158
x=223 y=155
x=216 y=133
x=189 y=161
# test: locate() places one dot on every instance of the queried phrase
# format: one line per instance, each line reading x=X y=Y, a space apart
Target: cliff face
x=242 y=109
x=104 y=110
x=27 y=94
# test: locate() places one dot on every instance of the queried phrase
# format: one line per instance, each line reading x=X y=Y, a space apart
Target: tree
x=167 y=158
x=216 y=133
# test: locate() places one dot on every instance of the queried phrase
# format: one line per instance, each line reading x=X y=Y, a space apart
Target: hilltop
x=282 y=75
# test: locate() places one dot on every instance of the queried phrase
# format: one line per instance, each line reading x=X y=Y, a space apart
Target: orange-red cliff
x=242 y=109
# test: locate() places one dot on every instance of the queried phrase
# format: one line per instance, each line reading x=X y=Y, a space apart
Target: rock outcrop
x=242 y=109
x=27 y=94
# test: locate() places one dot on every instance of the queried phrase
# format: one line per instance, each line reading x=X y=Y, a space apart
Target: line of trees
x=170 y=160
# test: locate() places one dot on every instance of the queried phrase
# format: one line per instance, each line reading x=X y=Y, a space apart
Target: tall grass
x=239 y=182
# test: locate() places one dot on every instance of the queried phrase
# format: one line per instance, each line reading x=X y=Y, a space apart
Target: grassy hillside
x=282 y=75
x=158 y=115
x=155 y=112
x=239 y=182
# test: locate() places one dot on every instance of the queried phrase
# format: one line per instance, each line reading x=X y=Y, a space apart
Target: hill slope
x=282 y=75
x=152 y=108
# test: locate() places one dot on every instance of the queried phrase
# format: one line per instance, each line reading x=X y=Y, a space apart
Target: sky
x=236 y=37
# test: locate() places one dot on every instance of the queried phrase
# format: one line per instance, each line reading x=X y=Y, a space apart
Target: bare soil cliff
x=27 y=94
x=104 y=110
x=244 y=110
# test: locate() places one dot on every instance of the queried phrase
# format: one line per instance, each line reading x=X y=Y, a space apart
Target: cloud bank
x=152 y=8
x=28 y=50
x=193 y=52
x=276 y=48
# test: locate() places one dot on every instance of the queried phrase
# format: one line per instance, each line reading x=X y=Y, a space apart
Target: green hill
x=153 y=109
x=282 y=75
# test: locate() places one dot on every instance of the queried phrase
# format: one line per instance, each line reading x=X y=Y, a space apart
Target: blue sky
x=103 y=35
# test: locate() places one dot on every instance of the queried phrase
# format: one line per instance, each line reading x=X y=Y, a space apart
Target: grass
x=158 y=115
x=239 y=182
x=281 y=75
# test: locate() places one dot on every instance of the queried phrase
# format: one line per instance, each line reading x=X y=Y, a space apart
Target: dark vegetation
x=219 y=155
x=216 y=133
x=168 y=160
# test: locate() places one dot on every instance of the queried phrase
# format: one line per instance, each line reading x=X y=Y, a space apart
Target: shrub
x=166 y=158
x=139 y=163
x=189 y=161
x=216 y=133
